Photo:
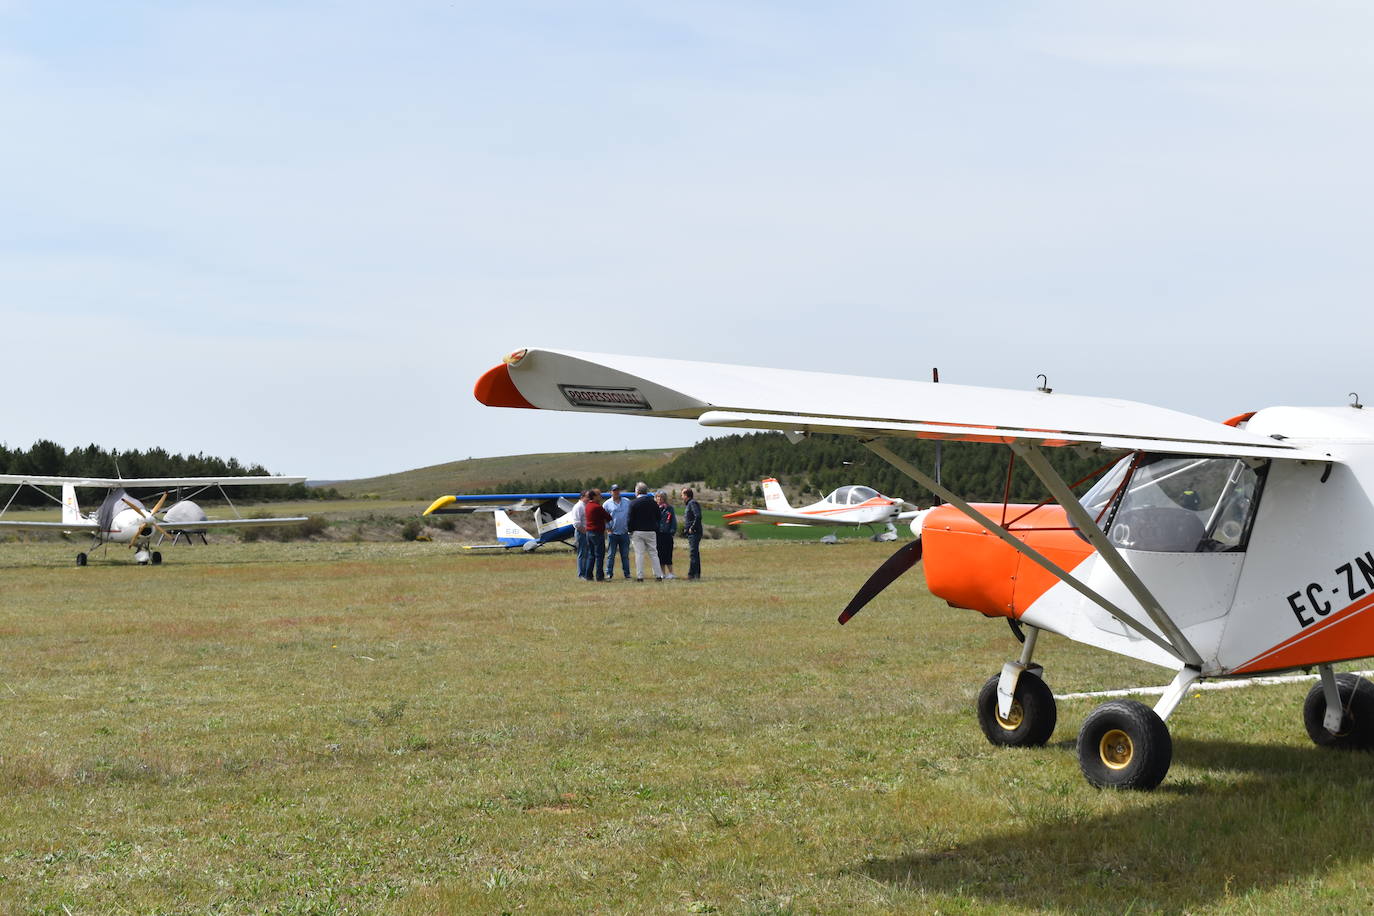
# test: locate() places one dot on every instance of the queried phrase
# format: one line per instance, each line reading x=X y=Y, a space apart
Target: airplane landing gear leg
x=1016 y=707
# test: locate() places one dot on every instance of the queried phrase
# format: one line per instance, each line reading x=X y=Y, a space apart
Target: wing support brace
x=1087 y=525
x=1030 y=553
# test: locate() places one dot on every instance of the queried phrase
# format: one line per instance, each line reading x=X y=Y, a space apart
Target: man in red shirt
x=597 y=518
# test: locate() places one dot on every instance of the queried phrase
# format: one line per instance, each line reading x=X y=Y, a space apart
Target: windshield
x=851 y=495
x=1180 y=505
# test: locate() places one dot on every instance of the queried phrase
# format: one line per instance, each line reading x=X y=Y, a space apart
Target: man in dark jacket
x=691 y=527
x=644 y=530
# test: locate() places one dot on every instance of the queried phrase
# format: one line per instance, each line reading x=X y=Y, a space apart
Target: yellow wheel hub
x=1116 y=749
x=1013 y=719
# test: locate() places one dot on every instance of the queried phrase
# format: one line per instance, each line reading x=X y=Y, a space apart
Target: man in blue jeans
x=618 y=532
x=579 y=521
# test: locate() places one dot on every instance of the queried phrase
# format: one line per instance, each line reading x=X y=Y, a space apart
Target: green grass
x=407 y=728
x=465 y=476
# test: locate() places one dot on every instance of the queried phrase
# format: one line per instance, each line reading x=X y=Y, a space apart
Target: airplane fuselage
x=1285 y=583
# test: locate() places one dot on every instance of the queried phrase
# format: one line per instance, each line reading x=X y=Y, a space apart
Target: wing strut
x=1113 y=558
x=1039 y=559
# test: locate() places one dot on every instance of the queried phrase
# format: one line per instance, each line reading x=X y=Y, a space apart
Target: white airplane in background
x=552 y=514
x=1214 y=550
x=851 y=506
x=124 y=519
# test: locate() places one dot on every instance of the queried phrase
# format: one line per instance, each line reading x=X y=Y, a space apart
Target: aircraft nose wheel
x=1357 y=720
x=1032 y=717
x=1124 y=745
x=80 y=559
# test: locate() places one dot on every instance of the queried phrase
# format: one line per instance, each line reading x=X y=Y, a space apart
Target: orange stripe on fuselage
x=866 y=504
x=971 y=568
x=1346 y=634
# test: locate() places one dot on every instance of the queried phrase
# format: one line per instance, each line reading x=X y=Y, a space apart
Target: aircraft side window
x=1178 y=504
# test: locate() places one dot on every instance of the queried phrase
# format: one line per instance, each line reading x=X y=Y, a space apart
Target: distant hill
x=475 y=474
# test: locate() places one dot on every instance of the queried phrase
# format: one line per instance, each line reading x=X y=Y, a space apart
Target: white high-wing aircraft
x=851 y=506
x=1215 y=550
x=552 y=514
x=123 y=519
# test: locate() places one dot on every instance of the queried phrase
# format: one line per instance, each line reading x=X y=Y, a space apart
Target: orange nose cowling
x=970 y=568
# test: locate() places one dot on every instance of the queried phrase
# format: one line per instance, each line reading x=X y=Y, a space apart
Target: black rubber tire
x=157 y=558
x=1132 y=734
x=1033 y=713
x=80 y=559
x=1357 y=723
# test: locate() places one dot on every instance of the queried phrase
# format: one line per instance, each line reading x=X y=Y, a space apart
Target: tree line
x=820 y=463
x=46 y=458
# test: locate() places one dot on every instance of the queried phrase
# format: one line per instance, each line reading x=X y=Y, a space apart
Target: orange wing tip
x=496 y=389
x=741 y=514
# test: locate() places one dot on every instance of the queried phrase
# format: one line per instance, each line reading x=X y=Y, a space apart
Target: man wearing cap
x=618 y=532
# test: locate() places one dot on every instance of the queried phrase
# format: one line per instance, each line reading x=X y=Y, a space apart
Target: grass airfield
x=408 y=728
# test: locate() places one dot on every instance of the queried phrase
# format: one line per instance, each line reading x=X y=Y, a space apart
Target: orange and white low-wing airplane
x=1216 y=550
x=852 y=506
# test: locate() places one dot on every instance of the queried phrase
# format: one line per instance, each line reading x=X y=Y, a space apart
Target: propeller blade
x=885 y=575
x=160 y=500
x=134 y=506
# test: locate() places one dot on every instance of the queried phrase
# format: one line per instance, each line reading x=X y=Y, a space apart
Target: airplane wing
x=232 y=523
x=41 y=481
x=511 y=502
x=791 y=518
x=798 y=403
x=170 y=526
x=50 y=526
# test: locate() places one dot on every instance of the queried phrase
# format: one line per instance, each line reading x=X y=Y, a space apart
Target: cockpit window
x=861 y=494
x=1178 y=504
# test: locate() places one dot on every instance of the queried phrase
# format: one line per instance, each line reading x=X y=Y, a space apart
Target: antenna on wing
x=1355 y=401
x=939 y=444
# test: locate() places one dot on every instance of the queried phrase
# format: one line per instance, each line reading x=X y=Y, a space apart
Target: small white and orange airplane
x=125 y=519
x=1215 y=550
x=849 y=506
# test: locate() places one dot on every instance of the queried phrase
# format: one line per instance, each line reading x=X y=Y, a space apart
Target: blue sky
x=296 y=232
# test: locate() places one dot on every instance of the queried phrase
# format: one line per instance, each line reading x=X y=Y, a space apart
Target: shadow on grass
x=1240 y=818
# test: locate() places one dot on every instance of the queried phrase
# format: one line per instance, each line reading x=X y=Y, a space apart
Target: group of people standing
x=610 y=526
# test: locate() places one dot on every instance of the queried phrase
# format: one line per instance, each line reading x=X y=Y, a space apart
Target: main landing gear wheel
x=1357 y=720
x=80 y=559
x=1124 y=745
x=1031 y=720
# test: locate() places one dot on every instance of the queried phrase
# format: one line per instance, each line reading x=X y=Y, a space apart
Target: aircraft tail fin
x=773 y=497
x=508 y=533
x=71 y=511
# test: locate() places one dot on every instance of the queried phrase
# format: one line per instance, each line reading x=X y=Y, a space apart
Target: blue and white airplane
x=552 y=513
